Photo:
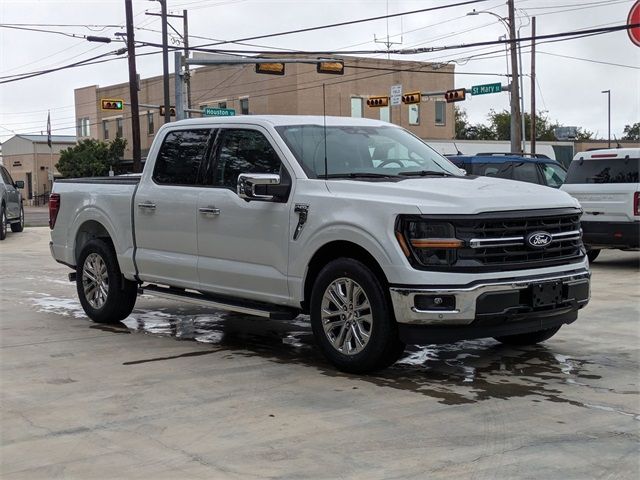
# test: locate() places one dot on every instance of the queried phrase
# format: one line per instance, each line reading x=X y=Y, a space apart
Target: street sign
x=396 y=95
x=218 y=112
x=487 y=88
x=634 y=19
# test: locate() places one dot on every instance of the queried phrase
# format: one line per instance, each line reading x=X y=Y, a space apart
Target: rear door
x=605 y=187
x=165 y=209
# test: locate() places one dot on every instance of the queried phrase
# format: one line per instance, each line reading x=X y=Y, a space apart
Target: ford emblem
x=539 y=239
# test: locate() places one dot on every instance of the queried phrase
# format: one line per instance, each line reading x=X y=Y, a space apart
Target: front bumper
x=500 y=299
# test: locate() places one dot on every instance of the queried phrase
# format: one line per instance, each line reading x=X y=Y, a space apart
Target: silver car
x=11 y=208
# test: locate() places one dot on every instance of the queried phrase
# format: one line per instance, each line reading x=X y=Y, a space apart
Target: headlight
x=429 y=243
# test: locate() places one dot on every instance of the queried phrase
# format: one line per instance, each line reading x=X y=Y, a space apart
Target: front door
x=165 y=209
x=13 y=195
x=243 y=245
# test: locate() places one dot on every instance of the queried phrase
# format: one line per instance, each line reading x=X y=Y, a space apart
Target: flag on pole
x=49 y=129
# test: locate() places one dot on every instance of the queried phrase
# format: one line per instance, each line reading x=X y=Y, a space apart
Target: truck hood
x=455 y=195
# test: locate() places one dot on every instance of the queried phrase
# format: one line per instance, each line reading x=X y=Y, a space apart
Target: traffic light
x=378 y=101
x=455 y=95
x=172 y=111
x=111 y=104
x=414 y=97
x=270 y=68
x=333 y=67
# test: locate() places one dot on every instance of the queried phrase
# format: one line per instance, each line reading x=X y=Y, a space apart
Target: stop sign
x=634 y=19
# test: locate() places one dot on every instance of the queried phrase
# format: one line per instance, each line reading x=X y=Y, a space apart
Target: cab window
x=243 y=151
x=182 y=157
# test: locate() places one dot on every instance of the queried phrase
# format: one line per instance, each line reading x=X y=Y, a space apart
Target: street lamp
x=516 y=143
x=608 y=92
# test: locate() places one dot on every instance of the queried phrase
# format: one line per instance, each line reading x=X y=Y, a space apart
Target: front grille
x=500 y=242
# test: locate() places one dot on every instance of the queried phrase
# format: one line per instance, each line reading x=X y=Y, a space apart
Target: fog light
x=435 y=302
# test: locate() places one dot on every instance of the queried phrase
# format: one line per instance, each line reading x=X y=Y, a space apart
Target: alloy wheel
x=95 y=280
x=346 y=316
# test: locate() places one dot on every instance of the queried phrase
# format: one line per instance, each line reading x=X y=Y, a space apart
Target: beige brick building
x=29 y=158
x=299 y=91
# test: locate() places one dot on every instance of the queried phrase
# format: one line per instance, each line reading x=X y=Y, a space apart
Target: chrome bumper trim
x=403 y=299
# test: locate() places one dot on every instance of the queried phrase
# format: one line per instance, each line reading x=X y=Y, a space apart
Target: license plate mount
x=546 y=294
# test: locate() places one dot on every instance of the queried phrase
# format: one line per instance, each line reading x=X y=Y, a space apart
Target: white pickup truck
x=360 y=224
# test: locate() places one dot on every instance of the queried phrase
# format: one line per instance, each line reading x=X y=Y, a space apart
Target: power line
x=590 y=60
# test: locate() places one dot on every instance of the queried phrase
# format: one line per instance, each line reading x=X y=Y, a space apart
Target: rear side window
x=181 y=158
x=526 y=172
x=604 y=170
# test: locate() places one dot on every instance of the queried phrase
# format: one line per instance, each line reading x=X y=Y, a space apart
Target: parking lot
x=177 y=391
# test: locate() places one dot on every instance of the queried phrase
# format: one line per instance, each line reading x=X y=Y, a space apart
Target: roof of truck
x=280 y=120
x=608 y=153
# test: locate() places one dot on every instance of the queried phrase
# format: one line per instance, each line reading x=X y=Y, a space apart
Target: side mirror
x=19 y=184
x=247 y=183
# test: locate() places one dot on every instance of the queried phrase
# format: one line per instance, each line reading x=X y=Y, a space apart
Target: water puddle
x=461 y=373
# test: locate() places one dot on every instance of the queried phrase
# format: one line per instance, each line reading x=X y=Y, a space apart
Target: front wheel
x=18 y=227
x=351 y=318
x=106 y=296
x=530 y=338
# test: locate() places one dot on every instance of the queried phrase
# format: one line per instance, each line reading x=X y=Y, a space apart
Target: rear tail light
x=636 y=204
x=54 y=207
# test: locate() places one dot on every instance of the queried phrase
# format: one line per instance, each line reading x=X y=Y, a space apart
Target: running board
x=273 y=312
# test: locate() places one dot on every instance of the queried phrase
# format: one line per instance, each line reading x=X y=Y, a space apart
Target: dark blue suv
x=538 y=169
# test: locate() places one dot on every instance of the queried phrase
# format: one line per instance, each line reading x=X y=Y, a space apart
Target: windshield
x=354 y=151
x=554 y=174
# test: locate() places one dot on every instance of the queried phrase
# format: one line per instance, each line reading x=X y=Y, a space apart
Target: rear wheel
x=106 y=296
x=351 y=318
x=3 y=223
x=592 y=255
x=18 y=227
x=530 y=338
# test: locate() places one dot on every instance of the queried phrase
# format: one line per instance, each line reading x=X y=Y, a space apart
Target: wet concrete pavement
x=177 y=391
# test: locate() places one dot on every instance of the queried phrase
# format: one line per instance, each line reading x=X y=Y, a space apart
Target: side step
x=273 y=312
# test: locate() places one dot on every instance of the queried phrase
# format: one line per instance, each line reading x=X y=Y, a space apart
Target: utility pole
x=185 y=41
x=179 y=86
x=608 y=92
x=533 y=86
x=133 y=90
x=516 y=128
x=165 y=62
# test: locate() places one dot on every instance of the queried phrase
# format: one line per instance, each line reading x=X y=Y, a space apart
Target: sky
x=570 y=74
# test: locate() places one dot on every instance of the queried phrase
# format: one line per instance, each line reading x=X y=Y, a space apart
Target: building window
x=385 y=114
x=356 y=107
x=82 y=129
x=224 y=105
x=150 y=126
x=105 y=129
x=441 y=113
x=244 y=106
x=414 y=114
x=119 y=127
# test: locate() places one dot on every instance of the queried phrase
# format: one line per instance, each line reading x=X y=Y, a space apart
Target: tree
x=465 y=131
x=91 y=157
x=632 y=132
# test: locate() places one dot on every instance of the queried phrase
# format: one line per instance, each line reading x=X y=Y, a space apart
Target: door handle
x=147 y=206
x=209 y=211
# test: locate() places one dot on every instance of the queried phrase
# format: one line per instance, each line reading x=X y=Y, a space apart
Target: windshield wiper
x=357 y=175
x=426 y=173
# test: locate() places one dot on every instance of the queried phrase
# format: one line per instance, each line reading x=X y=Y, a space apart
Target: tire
x=530 y=338
x=592 y=255
x=18 y=227
x=342 y=337
x=98 y=261
x=3 y=223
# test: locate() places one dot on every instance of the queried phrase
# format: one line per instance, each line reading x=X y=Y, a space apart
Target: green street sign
x=488 y=88
x=218 y=112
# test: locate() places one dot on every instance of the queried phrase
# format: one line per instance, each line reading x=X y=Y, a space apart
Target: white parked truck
x=360 y=224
